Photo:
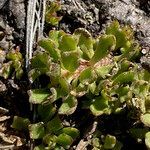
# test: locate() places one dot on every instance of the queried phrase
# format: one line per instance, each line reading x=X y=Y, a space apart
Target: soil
x=94 y=15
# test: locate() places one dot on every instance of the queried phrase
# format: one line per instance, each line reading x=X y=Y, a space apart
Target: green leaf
x=55 y=35
x=64 y=140
x=50 y=140
x=87 y=76
x=14 y=55
x=40 y=64
x=46 y=112
x=51 y=16
x=36 y=130
x=37 y=96
x=50 y=47
x=70 y=60
x=121 y=38
x=54 y=125
x=85 y=42
x=20 y=123
x=103 y=46
x=68 y=43
x=125 y=77
x=73 y=132
x=103 y=71
x=65 y=86
x=99 y=106
x=6 y=70
x=110 y=142
x=147 y=140
x=69 y=105
x=41 y=60
x=145 y=119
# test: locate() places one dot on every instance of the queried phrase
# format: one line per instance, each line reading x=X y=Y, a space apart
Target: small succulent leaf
x=65 y=86
x=96 y=143
x=85 y=42
x=87 y=76
x=51 y=48
x=145 y=119
x=40 y=61
x=122 y=91
x=54 y=125
x=34 y=74
x=55 y=74
x=50 y=140
x=20 y=123
x=92 y=87
x=37 y=130
x=103 y=46
x=6 y=70
x=55 y=36
x=141 y=88
x=68 y=43
x=103 y=71
x=37 y=96
x=70 y=60
x=147 y=140
x=64 y=140
x=99 y=106
x=53 y=96
x=46 y=112
x=121 y=38
x=19 y=73
x=138 y=133
x=69 y=106
x=14 y=55
x=110 y=142
x=124 y=77
x=40 y=147
x=53 y=20
x=51 y=15
x=73 y=132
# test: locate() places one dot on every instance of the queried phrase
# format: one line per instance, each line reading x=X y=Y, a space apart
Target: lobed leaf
x=69 y=105
x=20 y=123
x=37 y=96
x=36 y=130
x=105 y=44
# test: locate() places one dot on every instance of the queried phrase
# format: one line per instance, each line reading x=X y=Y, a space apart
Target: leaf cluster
x=102 y=70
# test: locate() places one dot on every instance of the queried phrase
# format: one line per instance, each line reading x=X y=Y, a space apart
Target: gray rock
x=2 y=2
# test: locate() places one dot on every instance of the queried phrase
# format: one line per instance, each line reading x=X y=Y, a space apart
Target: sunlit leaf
x=99 y=106
x=36 y=130
x=124 y=77
x=147 y=140
x=50 y=47
x=87 y=76
x=20 y=123
x=54 y=125
x=110 y=142
x=37 y=96
x=68 y=43
x=69 y=105
x=145 y=119
x=85 y=42
x=73 y=132
x=64 y=140
x=70 y=60
x=105 y=44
